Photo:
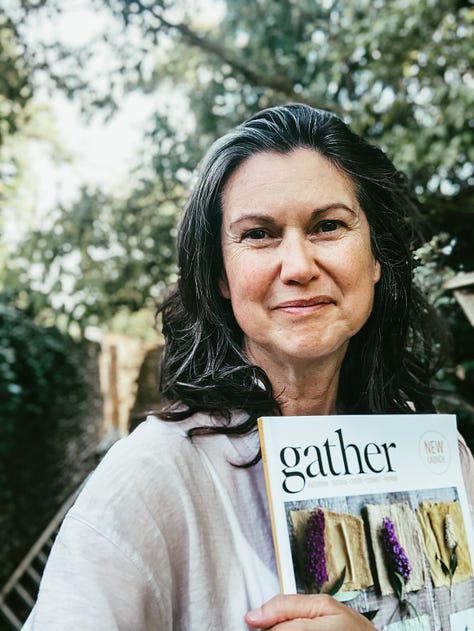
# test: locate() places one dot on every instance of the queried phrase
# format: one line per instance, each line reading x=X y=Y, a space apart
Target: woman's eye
x=329 y=225
x=256 y=233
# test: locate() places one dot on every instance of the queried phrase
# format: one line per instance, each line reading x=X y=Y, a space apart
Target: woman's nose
x=298 y=261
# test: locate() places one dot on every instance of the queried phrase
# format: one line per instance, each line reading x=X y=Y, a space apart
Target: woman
x=294 y=297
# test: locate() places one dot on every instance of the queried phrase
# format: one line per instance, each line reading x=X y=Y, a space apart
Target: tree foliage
x=97 y=257
x=399 y=72
x=15 y=95
x=15 y=76
x=45 y=412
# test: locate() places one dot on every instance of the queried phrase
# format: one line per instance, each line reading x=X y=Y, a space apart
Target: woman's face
x=298 y=265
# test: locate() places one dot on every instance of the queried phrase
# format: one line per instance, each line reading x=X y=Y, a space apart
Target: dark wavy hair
x=389 y=362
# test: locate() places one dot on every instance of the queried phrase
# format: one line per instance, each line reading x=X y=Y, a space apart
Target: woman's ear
x=224 y=285
x=377 y=270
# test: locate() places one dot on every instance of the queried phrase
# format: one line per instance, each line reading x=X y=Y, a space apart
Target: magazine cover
x=373 y=510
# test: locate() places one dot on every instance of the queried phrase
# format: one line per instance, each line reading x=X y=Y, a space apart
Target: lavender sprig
x=315 y=557
x=398 y=565
x=397 y=559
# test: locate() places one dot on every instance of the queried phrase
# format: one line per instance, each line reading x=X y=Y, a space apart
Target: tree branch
x=257 y=79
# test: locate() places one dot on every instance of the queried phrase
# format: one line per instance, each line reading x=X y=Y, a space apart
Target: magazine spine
x=263 y=447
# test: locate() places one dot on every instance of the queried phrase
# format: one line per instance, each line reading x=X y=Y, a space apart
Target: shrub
x=44 y=429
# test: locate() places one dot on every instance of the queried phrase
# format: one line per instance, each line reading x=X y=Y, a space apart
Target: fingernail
x=255 y=614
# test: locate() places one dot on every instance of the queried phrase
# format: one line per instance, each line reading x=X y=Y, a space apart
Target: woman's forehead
x=301 y=176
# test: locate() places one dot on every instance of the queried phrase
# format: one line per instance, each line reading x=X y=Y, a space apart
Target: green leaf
x=338 y=584
x=453 y=561
x=370 y=615
x=444 y=567
x=344 y=597
x=397 y=582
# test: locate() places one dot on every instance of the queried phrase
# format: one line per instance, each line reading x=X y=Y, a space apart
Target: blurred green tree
x=399 y=72
x=48 y=407
x=15 y=95
x=15 y=85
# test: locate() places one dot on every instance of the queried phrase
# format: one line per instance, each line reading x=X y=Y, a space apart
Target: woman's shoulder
x=153 y=435
x=467 y=468
x=153 y=444
x=151 y=467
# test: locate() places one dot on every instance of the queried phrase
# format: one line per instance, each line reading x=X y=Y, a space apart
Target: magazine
x=373 y=510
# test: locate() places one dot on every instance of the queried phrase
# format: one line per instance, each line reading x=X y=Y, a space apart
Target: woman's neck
x=309 y=396
x=306 y=388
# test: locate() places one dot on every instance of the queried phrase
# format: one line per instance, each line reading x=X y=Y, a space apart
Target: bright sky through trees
x=100 y=151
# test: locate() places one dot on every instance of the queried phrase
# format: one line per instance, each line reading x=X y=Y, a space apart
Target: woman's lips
x=305 y=304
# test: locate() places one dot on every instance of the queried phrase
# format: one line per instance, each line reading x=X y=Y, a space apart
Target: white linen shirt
x=167 y=535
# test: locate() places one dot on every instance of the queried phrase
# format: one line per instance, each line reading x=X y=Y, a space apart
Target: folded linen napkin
x=431 y=517
x=409 y=537
x=345 y=548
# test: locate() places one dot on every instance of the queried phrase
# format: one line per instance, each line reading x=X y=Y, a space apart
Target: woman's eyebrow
x=254 y=218
x=333 y=206
x=269 y=219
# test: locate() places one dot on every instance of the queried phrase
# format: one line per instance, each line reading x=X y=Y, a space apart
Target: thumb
x=289 y=607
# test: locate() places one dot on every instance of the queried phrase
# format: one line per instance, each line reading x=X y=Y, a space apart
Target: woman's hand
x=306 y=612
